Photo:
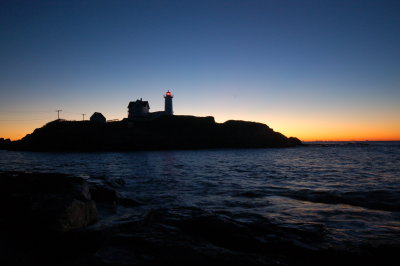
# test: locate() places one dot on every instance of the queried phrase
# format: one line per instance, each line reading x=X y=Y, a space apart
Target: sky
x=316 y=70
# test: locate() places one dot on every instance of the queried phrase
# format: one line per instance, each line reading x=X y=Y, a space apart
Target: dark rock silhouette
x=104 y=194
x=41 y=225
x=45 y=202
x=164 y=132
x=5 y=143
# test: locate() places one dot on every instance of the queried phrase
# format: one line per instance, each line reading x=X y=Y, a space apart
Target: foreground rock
x=45 y=202
x=191 y=236
x=48 y=219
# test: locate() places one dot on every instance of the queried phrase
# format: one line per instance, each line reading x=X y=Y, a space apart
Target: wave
x=385 y=200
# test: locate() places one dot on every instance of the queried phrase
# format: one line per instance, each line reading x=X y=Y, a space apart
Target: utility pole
x=58 y=114
x=83 y=117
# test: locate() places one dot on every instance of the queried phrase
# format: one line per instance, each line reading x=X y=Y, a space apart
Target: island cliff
x=162 y=133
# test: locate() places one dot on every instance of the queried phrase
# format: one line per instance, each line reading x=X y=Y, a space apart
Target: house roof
x=97 y=115
x=143 y=103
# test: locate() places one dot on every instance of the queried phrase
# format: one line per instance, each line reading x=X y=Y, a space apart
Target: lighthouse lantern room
x=168 y=103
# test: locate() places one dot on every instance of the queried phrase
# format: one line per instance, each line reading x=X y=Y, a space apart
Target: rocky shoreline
x=57 y=219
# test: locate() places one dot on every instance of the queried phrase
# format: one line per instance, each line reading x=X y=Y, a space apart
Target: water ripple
x=352 y=192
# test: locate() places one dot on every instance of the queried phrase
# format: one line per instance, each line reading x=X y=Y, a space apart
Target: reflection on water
x=351 y=192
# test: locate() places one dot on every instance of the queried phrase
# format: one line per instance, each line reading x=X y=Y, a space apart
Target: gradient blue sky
x=318 y=70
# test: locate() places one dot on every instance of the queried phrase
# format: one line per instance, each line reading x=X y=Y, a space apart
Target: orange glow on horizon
x=306 y=130
x=341 y=132
x=20 y=132
x=334 y=129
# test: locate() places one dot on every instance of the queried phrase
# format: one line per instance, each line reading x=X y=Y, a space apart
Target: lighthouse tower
x=168 y=103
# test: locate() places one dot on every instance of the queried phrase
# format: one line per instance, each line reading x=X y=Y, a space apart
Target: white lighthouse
x=168 y=103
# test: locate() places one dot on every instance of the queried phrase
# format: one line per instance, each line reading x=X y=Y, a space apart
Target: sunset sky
x=317 y=70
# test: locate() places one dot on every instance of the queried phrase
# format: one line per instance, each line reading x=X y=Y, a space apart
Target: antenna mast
x=58 y=114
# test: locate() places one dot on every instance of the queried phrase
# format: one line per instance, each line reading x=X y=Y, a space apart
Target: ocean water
x=350 y=192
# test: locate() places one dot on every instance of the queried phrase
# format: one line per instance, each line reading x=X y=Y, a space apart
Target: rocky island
x=145 y=130
x=161 y=133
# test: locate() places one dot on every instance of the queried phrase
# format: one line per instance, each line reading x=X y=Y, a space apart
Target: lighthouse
x=168 y=103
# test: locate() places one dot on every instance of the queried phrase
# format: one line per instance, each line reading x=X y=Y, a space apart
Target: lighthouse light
x=168 y=103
